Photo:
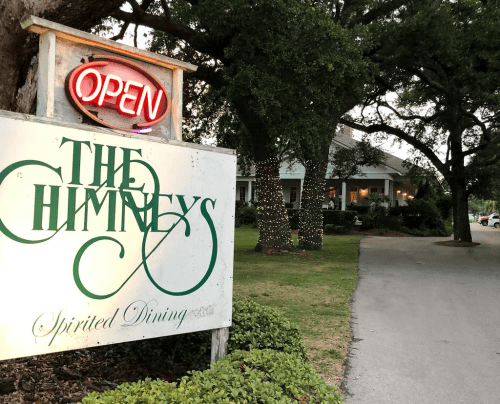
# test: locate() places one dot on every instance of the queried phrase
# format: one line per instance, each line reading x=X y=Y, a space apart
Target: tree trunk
x=18 y=48
x=274 y=227
x=456 y=180
x=311 y=214
x=461 y=225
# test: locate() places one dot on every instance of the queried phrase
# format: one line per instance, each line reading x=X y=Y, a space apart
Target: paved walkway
x=426 y=322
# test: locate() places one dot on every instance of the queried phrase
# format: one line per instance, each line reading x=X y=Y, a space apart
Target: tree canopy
x=442 y=67
x=273 y=68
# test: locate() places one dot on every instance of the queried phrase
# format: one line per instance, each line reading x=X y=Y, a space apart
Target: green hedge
x=344 y=218
x=293 y=218
x=267 y=364
x=257 y=326
x=254 y=326
x=253 y=377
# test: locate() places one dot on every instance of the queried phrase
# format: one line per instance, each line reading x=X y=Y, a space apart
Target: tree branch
x=166 y=10
x=209 y=75
x=145 y=5
x=121 y=34
x=427 y=80
x=383 y=127
x=195 y=39
x=426 y=119
x=384 y=9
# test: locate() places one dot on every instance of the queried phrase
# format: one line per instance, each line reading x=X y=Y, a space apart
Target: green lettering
x=53 y=206
x=110 y=165
x=77 y=158
x=91 y=195
x=126 y=179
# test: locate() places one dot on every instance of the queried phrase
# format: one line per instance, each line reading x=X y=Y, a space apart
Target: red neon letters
x=117 y=93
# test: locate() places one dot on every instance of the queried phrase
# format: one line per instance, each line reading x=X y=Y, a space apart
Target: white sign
x=106 y=239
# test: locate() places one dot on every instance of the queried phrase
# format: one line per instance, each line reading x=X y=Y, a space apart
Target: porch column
x=300 y=194
x=249 y=194
x=344 y=195
x=387 y=193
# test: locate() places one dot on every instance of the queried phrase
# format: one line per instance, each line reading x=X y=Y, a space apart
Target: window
x=331 y=193
x=242 y=193
x=354 y=195
x=373 y=190
x=293 y=194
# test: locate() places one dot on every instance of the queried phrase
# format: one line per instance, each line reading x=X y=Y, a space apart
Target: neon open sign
x=117 y=93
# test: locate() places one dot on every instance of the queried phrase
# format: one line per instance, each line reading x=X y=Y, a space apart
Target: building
x=390 y=179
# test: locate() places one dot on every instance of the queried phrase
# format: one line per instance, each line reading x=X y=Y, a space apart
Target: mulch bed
x=67 y=377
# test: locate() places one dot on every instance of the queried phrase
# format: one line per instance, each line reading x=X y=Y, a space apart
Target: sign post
x=111 y=228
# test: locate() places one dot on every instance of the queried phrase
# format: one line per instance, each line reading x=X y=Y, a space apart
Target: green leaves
x=252 y=373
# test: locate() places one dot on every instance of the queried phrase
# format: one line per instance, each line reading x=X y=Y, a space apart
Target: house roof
x=391 y=161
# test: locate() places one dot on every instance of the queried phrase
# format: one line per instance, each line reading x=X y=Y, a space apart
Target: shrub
x=445 y=206
x=389 y=222
x=257 y=376
x=239 y=204
x=293 y=217
x=423 y=214
x=360 y=209
x=262 y=327
x=345 y=218
x=247 y=215
x=254 y=326
x=336 y=229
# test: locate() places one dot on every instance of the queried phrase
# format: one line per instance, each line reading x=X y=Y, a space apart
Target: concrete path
x=426 y=322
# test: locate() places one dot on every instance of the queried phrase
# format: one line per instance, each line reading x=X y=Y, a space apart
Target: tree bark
x=311 y=213
x=274 y=227
x=461 y=225
x=19 y=48
x=456 y=180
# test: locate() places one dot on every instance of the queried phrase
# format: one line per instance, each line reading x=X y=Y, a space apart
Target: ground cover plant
x=312 y=289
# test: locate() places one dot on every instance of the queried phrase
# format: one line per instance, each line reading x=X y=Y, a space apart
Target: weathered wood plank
x=220 y=337
x=46 y=75
x=39 y=26
x=177 y=103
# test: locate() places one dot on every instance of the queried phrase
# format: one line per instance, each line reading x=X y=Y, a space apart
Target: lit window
x=354 y=195
x=332 y=192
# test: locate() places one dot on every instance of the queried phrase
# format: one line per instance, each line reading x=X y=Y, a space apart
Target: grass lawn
x=312 y=289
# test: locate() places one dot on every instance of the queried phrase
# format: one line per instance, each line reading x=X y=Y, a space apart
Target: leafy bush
x=257 y=326
x=239 y=204
x=389 y=222
x=423 y=214
x=445 y=206
x=360 y=209
x=257 y=376
x=293 y=218
x=247 y=215
x=336 y=229
x=368 y=221
x=254 y=326
x=345 y=218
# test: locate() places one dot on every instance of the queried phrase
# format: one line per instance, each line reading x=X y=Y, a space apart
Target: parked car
x=485 y=219
x=494 y=221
